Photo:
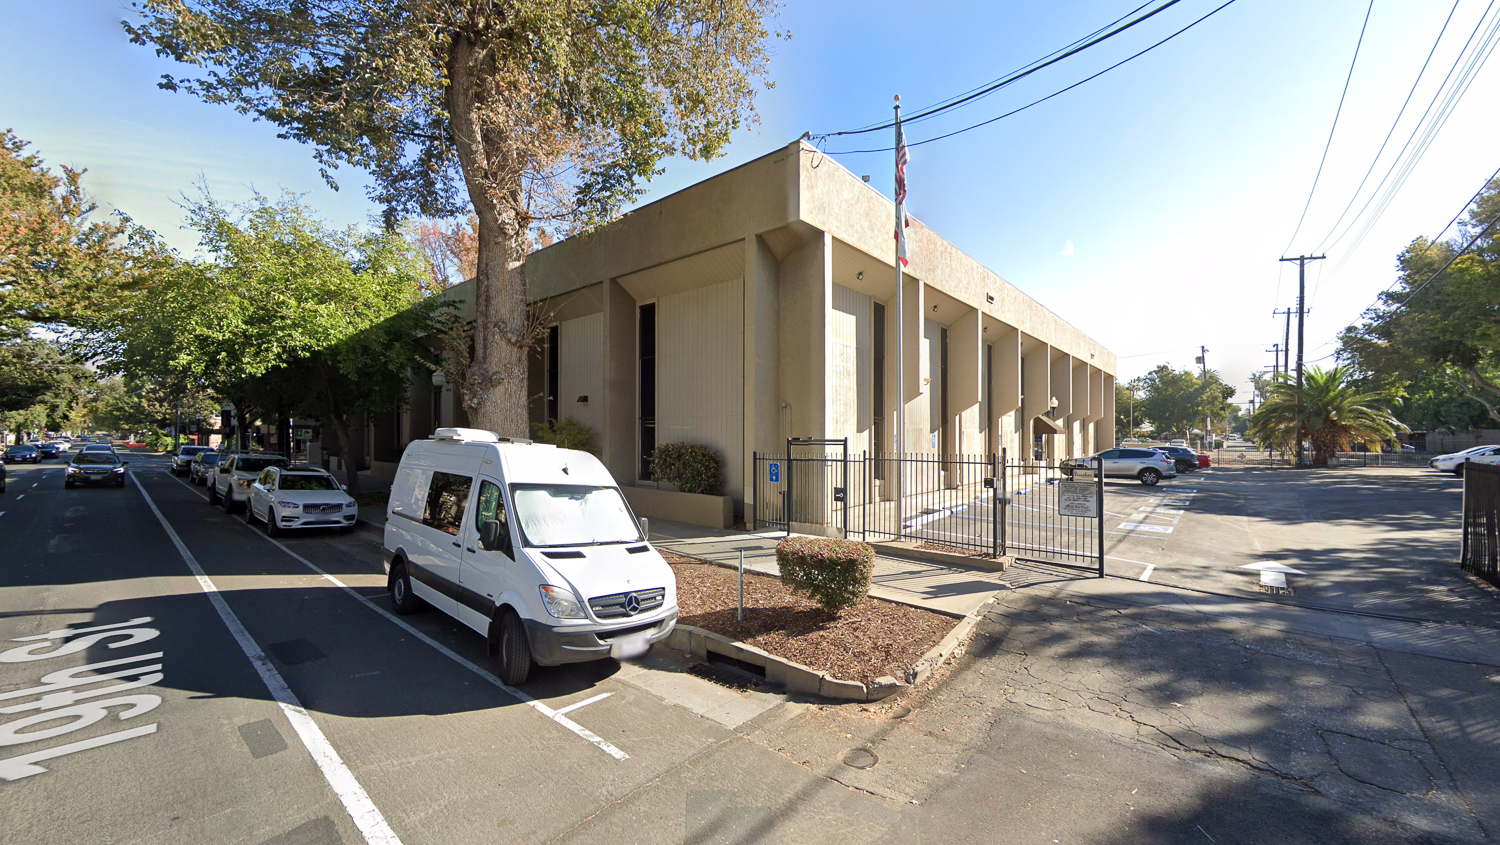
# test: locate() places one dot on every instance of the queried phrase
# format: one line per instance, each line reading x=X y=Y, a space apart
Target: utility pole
x=1275 y=351
x=1286 y=341
x=1301 y=313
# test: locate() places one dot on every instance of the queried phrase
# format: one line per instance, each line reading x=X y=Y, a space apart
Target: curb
x=944 y=649
x=908 y=549
x=792 y=675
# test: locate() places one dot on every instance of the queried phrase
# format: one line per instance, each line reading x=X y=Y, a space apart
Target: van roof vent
x=470 y=434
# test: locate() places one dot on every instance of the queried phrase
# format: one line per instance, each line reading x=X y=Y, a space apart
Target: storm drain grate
x=724 y=676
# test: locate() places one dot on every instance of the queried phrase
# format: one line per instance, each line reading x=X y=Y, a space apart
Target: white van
x=530 y=545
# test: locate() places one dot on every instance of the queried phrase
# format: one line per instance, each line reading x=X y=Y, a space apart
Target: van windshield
x=572 y=515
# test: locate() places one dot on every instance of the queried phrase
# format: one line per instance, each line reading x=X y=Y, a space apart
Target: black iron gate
x=1481 y=521
x=968 y=504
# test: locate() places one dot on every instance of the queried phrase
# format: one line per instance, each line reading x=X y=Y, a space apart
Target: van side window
x=446 y=500
x=491 y=506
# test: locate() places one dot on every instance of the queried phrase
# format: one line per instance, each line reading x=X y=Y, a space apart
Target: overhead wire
x=1394 y=123
x=1012 y=77
x=1427 y=131
x=1046 y=98
x=1332 y=129
x=986 y=88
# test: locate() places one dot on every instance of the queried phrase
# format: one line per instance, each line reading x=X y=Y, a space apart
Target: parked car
x=1185 y=459
x=98 y=447
x=182 y=459
x=1146 y=465
x=95 y=468
x=1204 y=460
x=203 y=465
x=1454 y=462
x=1183 y=443
x=22 y=453
x=532 y=546
x=230 y=483
x=300 y=497
x=2 y=476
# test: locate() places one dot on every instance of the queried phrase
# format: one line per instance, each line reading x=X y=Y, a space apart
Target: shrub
x=565 y=434
x=694 y=469
x=834 y=573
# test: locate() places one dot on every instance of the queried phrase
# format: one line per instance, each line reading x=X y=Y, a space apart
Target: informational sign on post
x=1078 y=498
x=775 y=472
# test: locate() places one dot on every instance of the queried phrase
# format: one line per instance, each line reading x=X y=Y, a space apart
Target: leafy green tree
x=548 y=114
x=55 y=260
x=1436 y=332
x=1332 y=409
x=1176 y=401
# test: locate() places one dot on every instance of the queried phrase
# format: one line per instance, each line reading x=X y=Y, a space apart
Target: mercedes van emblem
x=632 y=604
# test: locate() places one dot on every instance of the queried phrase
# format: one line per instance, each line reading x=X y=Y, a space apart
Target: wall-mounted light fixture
x=989 y=297
x=583 y=400
x=866 y=178
x=986 y=329
x=860 y=276
x=1052 y=407
x=934 y=309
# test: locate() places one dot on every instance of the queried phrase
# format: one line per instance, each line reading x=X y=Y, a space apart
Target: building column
x=1082 y=411
x=1007 y=391
x=762 y=339
x=1038 y=376
x=806 y=286
x=965 y=387
x=1062 y=391
x=1106 y=430
x=617 y=429
x=914 y=366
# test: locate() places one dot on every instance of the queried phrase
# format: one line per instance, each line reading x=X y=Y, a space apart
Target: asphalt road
x=239 y=689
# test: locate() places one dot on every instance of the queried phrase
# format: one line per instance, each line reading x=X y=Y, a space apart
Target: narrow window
x=647 y=385
x=552 y=356
x=877 y=384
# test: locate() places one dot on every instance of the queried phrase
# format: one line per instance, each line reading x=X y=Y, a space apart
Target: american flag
x=902 y=157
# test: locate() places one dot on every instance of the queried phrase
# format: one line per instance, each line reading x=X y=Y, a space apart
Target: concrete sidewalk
x=951 y=590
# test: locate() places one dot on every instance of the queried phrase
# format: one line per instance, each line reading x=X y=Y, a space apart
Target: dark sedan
x=96 y=468
x=1185 y=459
x=22 y=453
x=49 y=450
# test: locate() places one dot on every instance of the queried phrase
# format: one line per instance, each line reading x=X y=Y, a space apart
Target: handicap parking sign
x=775 y=472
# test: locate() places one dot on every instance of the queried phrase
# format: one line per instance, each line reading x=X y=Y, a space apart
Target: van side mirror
x=493 y=537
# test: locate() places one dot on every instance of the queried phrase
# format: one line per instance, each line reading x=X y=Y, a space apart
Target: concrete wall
x=699 y=393
x=580 y=371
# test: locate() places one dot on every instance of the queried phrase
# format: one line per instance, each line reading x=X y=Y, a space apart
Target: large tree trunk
x=495 y=392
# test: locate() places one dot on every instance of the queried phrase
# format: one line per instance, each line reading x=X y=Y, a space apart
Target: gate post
x=790 y=490
x=754 y=490
x=1099 y=486
x=995 y=506
x=1463 y=508
x=846 y=488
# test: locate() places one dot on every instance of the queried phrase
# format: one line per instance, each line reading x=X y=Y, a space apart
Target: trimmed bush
x=565 y=434
x=834 y=573
x=694 y=469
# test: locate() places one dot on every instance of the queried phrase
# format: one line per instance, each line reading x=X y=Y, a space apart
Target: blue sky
x=1147 y=207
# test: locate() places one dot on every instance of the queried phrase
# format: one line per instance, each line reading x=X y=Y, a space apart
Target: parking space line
x=555 y=715
x=366 y=816
x=1141 y=526
x=586 y=702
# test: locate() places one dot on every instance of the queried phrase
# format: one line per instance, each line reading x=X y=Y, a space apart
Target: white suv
x=230 y=482
x=299 y=497
x=1454 y=462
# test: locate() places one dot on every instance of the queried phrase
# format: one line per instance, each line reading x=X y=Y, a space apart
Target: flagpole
x=900 y=339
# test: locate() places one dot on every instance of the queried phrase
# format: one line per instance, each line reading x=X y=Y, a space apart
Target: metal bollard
x=646 y=528
x=742 y=586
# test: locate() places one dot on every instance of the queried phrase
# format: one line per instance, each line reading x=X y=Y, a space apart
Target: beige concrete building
x=760 y=305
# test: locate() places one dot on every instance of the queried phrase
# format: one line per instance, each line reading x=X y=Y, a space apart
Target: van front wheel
x=403 y=601
x=515 y=651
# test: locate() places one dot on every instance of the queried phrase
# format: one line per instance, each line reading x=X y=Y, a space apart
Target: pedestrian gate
x=979 y=505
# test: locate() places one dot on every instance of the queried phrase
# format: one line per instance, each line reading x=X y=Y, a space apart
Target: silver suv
x=229 y=483
x=1146 y=465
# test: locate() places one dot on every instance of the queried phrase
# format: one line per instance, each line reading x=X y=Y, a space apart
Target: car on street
x=49 y=450
x=1183 y=443
x=22 y=453
x=299 y=497
x=1185 y=459
x=532 y=546
x=230 y=483
x=2 y=476
x=96 y=468
x=182 y=459
x=1454 y=462
x=1147 y=466
x=203 y=465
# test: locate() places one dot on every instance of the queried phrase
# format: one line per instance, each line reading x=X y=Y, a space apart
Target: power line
x=1049 y=96
x=1456 y=256
x=1392 y=130
x=1009 y=78
x=1333 y=128
x=987 y=88
x=1427 y=135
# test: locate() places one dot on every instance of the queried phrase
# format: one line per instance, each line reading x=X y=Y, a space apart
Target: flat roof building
x=760 y=304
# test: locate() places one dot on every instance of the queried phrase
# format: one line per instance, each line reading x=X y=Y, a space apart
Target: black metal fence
x=969 y=504
x=1481 y=526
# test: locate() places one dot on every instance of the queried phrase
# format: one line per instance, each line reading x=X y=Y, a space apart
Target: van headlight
x=561 y=603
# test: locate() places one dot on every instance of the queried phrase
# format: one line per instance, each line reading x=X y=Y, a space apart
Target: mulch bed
x=862 y=643
x=954 y=550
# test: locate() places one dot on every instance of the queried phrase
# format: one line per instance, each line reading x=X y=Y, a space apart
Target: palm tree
x=1331 y=410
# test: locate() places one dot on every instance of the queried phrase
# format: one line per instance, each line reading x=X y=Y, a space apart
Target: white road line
x=554 y=715
x=1149 y=509
x=586 y=702
x=357 y=803
x=1150 y=568
x=20 y=496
